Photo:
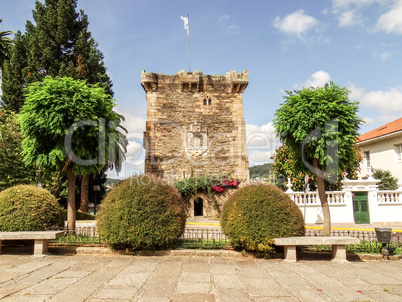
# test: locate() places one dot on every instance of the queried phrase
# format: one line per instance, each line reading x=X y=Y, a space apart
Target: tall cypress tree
x=15 y=74
x=57 y=43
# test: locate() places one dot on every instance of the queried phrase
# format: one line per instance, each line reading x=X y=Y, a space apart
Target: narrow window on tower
x=207 y=101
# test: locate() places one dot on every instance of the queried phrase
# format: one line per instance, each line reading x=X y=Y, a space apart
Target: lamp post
x=96 y=190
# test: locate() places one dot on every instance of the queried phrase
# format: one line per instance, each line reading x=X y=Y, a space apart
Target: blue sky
x=285 y=45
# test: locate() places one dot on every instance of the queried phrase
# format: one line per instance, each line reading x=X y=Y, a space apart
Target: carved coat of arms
x=196 y=140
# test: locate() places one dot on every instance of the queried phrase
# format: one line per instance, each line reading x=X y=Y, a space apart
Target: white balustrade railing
x=312 y=198
x=389 y=197
x=301 y=198
x=336 y=198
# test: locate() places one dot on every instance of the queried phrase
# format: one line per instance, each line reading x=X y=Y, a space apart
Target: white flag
x=185 y=20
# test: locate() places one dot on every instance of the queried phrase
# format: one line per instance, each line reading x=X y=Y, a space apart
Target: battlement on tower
x=232 y=82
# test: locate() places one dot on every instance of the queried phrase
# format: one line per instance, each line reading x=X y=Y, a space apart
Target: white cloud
x=345 y=4
x=133 y=150
x=135 y=125
x=391 y=22
x=261 y=143
x=349 y=12
x=133 y=122
x=325 y=11
x=387 y=103
x=384 y=56
x=317 y=79
x=369 y=120
x=227 y=27
x=231 y=29
x=349 y=18
x=224 y=18
x=296 y=24
x=109 y=73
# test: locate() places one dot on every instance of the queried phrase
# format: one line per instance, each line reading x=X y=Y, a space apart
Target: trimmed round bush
x=29 y=208
x=256 y=214
x=142 y=212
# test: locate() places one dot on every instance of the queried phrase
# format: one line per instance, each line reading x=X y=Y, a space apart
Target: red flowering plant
x=225 y=183
x=209 y=184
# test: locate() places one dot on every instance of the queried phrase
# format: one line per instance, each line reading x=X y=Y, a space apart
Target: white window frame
x=368 y=161
x=398 y=152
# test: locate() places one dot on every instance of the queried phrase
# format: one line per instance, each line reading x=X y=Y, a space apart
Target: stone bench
x=41 y=239
x=338 y=245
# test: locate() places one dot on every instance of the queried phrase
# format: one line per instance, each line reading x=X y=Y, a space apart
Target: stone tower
x=195 y=125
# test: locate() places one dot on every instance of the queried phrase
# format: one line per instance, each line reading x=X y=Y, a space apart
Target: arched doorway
x=198 y=207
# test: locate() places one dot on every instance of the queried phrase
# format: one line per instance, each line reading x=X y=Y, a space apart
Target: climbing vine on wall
x=208 y=184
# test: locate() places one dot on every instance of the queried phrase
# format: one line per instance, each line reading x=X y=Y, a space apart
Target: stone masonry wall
x=195 y=125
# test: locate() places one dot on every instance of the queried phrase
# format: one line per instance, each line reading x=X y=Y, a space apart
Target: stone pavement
x=171 y=278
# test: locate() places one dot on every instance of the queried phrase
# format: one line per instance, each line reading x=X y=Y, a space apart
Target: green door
x=361 y=208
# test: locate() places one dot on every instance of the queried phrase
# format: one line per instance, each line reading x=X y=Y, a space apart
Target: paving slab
x=95 y=278
x=265 y=287
x=228 y=281
x=193 y=298
x=195 y=277
x=193 y=287
x=161 y=286
x=232 y=295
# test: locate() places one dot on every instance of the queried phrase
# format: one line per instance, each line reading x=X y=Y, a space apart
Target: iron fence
x=362 y=235
x=191 y=238
x=214 y=238
x=206 y=238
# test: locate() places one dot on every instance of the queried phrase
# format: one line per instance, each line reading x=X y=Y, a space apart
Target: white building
x=382 y=149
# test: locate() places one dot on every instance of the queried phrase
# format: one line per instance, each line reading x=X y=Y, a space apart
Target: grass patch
x=85 y=240
x=202 y=244
x=78 y=240
x=365 y=247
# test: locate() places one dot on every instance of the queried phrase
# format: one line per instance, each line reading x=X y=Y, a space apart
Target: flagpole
x=188 y=34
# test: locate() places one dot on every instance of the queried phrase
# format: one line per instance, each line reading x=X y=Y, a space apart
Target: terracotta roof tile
x=389 y=128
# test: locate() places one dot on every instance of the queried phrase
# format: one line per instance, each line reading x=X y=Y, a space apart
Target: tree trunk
x=70 y=201
x=323 y=198
x=84 y=193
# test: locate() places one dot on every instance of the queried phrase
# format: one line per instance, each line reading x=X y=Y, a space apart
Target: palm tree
x=5 y=42
x=117 y=155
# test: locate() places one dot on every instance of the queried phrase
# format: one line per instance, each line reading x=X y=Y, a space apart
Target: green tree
x=319 y=125
x=387 y=181
x=15 y=74
x=5 y=43
x=68 y=125
x=12 y=170
x=285 y=167
x=261 y=171
x=57 y=43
